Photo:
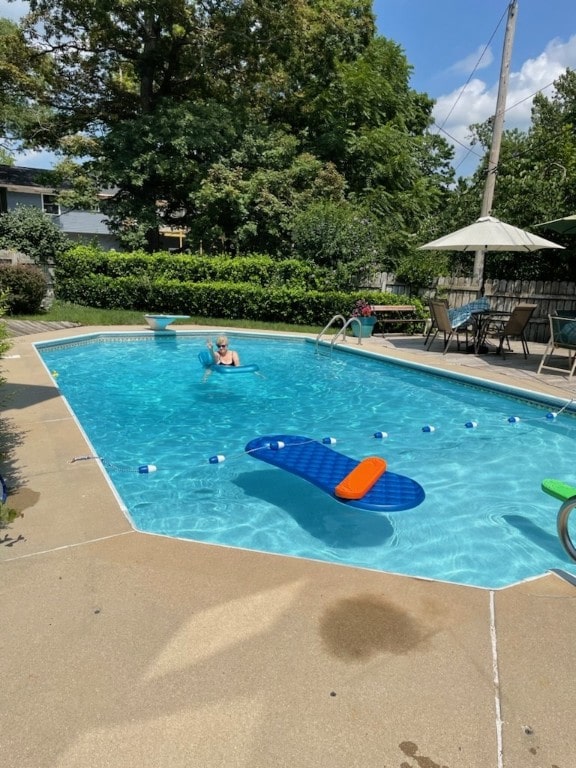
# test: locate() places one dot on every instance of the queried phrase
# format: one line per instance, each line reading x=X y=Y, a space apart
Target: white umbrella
x=489 y=234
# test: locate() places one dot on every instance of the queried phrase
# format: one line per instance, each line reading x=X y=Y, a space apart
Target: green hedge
x=241 y=288
x=215 y=299
x=85 y=260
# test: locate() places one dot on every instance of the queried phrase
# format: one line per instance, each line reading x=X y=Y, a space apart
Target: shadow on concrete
x=10 y=439
x=25 y=395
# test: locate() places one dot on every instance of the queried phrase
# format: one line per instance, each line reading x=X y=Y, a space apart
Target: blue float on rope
x=145 y=469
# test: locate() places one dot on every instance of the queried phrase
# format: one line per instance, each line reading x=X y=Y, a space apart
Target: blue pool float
x=205 y=357
x=326 y=468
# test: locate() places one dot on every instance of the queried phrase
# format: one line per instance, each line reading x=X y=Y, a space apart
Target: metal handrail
x=562 y=526
x=341 y=332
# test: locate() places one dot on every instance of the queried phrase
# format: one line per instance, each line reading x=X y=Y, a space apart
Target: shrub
x=4 y=340
x=29 y=230
x=345 y=238
x=7 y=514
x=253 y=287
x=82 y=260
x=25 y=288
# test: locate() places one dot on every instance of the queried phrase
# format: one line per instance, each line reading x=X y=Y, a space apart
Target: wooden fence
x=551 y=297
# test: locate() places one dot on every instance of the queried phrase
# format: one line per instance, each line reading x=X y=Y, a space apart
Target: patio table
x=482 y=321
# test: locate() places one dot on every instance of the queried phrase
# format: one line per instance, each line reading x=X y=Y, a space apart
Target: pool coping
x=388 y=667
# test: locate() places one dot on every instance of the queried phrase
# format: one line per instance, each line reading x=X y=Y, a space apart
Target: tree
x=248 y=201
x=22 y=77
x=232 y=117
x=342 y=237
x=536 y=182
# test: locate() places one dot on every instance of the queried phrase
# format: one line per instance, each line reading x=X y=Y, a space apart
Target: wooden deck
x=26 y=327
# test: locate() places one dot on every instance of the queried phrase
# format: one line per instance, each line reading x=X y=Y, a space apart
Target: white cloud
x=456 y=111
x=481 y=58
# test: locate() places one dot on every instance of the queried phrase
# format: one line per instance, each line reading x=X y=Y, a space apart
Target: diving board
x=326 y=468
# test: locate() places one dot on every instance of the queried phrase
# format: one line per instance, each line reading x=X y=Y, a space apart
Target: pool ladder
x=562 y=526
x=341 y=333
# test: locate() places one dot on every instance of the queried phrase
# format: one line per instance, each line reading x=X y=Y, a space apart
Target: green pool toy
x=558 y=489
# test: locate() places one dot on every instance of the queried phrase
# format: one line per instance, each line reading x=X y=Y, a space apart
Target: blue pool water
x=142 y=400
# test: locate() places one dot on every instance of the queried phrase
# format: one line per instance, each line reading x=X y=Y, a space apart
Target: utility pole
x=497 y=128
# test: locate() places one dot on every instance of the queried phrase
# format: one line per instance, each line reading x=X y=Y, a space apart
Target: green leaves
x=232 y=119
x=536 y=182
x=30 y=231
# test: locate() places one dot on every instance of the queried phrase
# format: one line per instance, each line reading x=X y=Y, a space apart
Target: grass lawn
x=74 y=313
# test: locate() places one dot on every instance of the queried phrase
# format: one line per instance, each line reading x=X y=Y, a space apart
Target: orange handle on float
x=358 y=482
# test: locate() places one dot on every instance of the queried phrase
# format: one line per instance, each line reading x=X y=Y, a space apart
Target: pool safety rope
x=143 y=469
x=220 y=458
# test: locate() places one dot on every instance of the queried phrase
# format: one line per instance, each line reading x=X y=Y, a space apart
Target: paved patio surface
x=122 y=649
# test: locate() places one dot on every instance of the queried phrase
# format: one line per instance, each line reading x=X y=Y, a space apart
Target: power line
x=440 y=128
x=468 y=148
x=473 y=72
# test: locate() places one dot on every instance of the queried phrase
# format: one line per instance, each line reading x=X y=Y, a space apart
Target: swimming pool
x=141 y=400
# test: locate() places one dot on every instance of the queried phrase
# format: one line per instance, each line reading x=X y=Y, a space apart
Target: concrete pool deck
x=124 y=649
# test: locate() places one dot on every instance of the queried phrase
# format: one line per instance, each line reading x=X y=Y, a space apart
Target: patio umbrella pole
x=497 y=129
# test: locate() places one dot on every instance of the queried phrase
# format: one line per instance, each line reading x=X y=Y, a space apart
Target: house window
x=50 y=205
x=3 y=200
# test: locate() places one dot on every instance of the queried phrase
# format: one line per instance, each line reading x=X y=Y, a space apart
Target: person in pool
x=223 y=355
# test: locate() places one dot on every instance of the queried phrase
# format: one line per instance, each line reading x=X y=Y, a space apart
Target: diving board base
x=326 y=468
x=160 y=322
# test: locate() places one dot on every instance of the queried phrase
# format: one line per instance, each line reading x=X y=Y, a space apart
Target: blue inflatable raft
x=326 y=468
x=205 y=357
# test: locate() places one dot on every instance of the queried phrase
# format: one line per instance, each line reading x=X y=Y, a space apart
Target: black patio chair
x=514 y=327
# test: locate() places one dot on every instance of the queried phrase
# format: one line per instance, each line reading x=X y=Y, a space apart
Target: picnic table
x=395 y=314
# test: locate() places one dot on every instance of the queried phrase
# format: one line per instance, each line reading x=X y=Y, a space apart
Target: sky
x=455 y=51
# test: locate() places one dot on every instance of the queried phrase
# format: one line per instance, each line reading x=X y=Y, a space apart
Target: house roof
x=82 y=222
x=19 y=179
